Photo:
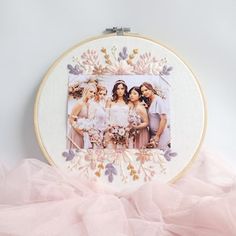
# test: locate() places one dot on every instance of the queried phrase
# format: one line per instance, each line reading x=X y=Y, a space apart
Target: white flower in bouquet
x=114 y=129
x=85 y=124
x=118 y=134
x=121 y=131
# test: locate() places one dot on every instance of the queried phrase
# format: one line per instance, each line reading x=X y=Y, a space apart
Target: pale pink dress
x=75 y=136
x=142 y=138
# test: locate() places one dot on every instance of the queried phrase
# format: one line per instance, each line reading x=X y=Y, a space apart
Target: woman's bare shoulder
x=109 y=102
x=78 y=105
x=130 y=104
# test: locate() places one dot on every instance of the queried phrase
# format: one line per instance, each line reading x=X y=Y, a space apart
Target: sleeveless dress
x=98 y=116
x=157 y=108
x=142 y=138
x=75 y=136
x=98 y=113
x=117 y=116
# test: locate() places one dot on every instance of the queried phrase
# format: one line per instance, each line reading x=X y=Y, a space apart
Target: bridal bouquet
x=119 y=134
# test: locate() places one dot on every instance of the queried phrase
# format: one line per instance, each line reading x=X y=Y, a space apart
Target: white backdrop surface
x=34 y=33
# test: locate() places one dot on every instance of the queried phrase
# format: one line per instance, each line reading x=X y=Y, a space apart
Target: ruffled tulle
x=37 y=199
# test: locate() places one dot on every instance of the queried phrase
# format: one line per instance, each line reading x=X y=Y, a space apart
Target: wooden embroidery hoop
x=44 y=149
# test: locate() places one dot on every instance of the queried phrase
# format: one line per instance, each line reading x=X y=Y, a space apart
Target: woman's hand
x=156 y=139
x=81 y=132
x=134 y=126
x=153 y=142
x=77 y=129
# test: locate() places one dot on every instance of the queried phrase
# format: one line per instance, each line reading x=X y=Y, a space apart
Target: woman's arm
x=108 y=113
x=108 y=103
x=162 y=125
x=73 y=117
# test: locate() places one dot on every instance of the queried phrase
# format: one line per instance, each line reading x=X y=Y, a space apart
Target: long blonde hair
x=86 y=90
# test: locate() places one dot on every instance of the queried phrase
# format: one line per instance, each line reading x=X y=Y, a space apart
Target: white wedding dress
x=118 y=115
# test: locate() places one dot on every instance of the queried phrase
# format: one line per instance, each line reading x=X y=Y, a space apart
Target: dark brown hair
x=114 y=91
x=148 y=86
x=138 y=90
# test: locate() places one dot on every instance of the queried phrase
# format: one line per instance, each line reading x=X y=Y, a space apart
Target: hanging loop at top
x=118 y=31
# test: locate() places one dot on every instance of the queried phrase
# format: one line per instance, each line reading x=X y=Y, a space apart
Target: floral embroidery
x=111 y=162
x=118 y=164
x=119 y=63
x=110 y=171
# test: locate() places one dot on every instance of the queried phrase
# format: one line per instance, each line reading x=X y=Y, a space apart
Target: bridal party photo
x=118 y=112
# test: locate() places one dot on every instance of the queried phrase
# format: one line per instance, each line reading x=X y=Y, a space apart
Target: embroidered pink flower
x=101 y=161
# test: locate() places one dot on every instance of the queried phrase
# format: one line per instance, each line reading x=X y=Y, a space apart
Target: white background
x=34 y=33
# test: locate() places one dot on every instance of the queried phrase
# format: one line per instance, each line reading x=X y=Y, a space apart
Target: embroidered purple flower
x=110 y=171
x=74 y=70
x=166 y=70
x=69 y=155
x=123 y=54
x=168 y=154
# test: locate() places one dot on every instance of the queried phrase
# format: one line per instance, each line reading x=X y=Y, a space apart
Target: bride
x=118 y=112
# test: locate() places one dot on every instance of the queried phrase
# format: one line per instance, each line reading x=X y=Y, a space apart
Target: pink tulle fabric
x=37 y=199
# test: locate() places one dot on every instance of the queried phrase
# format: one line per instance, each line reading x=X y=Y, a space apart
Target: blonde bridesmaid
x=80 y=110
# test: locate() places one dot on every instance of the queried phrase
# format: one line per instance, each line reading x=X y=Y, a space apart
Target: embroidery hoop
x=46 y=91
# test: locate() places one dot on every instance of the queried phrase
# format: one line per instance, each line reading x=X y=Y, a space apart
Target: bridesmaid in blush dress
x=80 y=110
x=97 y=110
x=158 y=119
x=98 y=115
x=138 y=110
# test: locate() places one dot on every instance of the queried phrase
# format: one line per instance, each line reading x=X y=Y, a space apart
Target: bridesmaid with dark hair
x=158 y=117
x=138 y=112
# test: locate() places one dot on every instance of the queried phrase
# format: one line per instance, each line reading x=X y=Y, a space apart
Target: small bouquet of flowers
x=96 y=137
x=134 y=119
x=86 y=125
x=119 y=134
